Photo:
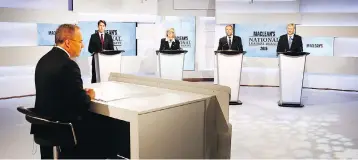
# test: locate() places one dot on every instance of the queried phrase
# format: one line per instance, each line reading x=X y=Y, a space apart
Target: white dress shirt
x=100 y=35
x=63 y=50
x=288 y=36
x=227 y=37
x=170 y=42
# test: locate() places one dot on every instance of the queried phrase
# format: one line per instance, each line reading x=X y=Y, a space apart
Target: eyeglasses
x=80 y=41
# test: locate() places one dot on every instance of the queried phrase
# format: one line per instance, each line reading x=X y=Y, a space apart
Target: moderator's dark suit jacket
x=164 y=45
x=296 y=45
x=236 y=44
x=95 y=46
x=59 y=90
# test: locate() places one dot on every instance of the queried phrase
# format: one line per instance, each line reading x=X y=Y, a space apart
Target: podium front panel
x=216 y=69
x=171 y=66
x=291 y=78
x=105 y=64
x=228 y=73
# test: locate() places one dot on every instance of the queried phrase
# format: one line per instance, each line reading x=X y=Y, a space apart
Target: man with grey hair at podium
x=230 y=42
x=290 y=41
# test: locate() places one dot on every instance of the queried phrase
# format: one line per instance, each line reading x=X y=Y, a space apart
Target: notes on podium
x=227 y=72
x=168 y=119
x=292 y=68
x=106 y=62
x=171 y=64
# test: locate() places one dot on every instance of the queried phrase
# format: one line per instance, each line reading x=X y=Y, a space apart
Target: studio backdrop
x=260 y=40
x=123 y=34
x=318 y=46
x=46 y=34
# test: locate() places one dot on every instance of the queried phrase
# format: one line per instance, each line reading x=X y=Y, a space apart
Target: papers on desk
x=108 y=96
x=112 y=95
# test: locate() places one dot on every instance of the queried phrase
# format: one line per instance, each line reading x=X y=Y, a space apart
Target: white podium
x=228 y=72
x=107 y=62
x=171 y=64
x=292 y=68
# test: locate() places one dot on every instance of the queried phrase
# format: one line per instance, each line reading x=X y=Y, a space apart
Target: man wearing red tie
x=99 y=41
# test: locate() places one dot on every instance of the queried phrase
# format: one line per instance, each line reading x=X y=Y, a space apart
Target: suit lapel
x=170 y=46
x=105 y=40
x=98 y=38
x=287 y=45
x=225 y=42
x=233 y=41
x=293 y=39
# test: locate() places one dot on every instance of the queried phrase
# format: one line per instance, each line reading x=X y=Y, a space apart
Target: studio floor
x=327 y=127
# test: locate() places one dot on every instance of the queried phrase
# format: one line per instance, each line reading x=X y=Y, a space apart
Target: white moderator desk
x=168 y=119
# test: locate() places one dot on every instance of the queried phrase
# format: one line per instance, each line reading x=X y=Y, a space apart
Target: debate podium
x=228 y=72
x=171 y=64
x=157 y=118
x=107 y=61
x=292 y=68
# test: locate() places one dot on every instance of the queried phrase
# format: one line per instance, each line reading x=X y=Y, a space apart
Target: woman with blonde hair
x=170 y=42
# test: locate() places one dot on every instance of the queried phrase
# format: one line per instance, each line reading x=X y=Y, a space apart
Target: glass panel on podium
x=292 y=68
x=171 y=64
x=228 y=67
x=106 y=62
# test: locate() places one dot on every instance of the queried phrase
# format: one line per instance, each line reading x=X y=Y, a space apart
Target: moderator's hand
x=90 y=92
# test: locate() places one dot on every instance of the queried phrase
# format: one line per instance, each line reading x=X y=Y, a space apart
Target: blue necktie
x=290 y=42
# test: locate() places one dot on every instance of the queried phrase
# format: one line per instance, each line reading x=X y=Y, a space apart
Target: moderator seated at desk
x=156 y=122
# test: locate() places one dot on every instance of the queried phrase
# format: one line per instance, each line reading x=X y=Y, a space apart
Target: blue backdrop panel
x=46 y=34
x=318 y=46
x=260 y=40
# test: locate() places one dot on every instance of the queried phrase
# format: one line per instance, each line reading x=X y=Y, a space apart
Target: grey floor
x=327 y=127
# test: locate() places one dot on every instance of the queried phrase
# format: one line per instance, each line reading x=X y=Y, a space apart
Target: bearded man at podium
x=230 y=42
x=290 y=41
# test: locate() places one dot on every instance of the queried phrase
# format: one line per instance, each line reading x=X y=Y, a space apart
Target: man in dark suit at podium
x=230 y=42
x=170 y=42
x=99 y=41
x=290 y=41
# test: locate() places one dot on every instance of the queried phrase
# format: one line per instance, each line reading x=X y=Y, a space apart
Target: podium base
x=296 y=105
x=235 y=103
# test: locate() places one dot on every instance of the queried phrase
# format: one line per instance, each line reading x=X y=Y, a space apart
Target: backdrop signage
x=260 y=40
x=46 y=34
x=318 y=46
